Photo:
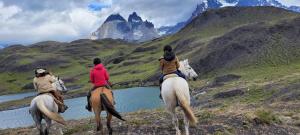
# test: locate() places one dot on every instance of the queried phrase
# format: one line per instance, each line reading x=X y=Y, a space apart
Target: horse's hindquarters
x=95 y=99
x=169 y=88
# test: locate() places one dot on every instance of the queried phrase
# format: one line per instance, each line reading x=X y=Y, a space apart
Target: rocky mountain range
x=213 y=4
x=133 y=30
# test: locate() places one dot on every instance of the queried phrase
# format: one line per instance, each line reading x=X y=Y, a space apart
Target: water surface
x=128 y=100
x=5 y=98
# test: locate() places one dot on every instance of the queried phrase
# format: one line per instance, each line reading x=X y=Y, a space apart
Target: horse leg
x=175 y=119
x=186 y=125
x=98 y=120
x=38 y=120
x=48 y=124
x=40 y=127
x=109 y=117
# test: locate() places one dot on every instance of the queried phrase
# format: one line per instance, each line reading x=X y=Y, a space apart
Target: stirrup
x=88 y=108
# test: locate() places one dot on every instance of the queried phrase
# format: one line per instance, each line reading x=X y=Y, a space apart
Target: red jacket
x=99 y=75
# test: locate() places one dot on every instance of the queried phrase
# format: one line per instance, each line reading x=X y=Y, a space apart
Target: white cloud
x=290 y=2
x=7 y=12
x=30 y=21
x=28 y=26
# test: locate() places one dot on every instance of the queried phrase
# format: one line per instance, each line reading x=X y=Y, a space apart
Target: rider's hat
x=40 y=71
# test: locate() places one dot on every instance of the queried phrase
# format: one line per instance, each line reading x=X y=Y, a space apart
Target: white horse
x=44 y=107
x=187 y=70
x=175 y=90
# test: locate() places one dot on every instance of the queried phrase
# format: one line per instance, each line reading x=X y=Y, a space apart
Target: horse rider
x=42 y=82
x=99 y=77
x=169 y=64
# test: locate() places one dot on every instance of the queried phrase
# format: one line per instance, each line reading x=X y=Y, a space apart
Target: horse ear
x=185 y=61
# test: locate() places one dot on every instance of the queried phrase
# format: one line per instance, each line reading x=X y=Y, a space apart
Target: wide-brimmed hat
x=40 y=71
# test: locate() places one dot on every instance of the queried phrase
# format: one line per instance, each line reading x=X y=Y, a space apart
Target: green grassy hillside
x=72 y=61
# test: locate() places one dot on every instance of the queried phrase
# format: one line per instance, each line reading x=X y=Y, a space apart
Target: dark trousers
x=178 y=72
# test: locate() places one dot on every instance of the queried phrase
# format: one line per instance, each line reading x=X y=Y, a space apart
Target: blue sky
x=98 y=6
x=30 y=21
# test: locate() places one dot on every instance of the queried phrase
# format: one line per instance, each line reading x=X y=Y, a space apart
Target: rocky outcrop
x=135 y=29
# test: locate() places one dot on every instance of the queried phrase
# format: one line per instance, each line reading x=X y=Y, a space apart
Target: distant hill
x=72 y=61
x=238 y=37
x=218 y=41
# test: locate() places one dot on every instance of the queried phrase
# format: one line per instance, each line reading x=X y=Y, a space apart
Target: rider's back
x=44 y=84
x=99 y=75
x=169 y=66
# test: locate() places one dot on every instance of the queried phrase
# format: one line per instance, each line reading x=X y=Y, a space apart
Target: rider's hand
x=109 y=83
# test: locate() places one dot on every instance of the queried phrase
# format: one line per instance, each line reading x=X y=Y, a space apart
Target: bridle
x=63 y=88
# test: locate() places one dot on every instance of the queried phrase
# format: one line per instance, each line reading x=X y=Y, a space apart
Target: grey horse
x=44 y=107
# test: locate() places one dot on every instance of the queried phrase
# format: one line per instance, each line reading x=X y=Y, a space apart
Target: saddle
x=169 y=76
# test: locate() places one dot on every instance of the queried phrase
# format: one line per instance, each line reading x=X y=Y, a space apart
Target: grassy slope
x=72 y=61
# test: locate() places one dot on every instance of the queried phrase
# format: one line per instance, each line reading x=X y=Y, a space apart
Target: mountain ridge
x=212 y=4
x=133 y=30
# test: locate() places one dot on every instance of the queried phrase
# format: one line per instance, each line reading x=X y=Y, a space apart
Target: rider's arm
x=92 y=77
x=161 y=61
x=51 y=78
x=34 y=84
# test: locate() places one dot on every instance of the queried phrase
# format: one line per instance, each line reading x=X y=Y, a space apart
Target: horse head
x=59 y=85
x=187 y=70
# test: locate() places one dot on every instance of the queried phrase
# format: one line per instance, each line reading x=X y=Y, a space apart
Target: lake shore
x=159 y=122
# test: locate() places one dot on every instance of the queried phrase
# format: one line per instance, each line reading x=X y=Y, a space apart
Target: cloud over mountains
x=29 y=21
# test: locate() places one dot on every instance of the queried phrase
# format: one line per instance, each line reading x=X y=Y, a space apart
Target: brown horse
x=102 y=99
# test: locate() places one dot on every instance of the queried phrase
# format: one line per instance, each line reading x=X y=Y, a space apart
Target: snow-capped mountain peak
x=228 y=3
x=212 y=4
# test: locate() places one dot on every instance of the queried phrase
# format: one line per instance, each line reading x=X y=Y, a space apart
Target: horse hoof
x=110 y=131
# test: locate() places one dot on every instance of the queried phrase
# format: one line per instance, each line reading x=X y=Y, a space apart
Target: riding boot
x=88 y=106
x=160 y=92
x=160 y=83
x=59 y=101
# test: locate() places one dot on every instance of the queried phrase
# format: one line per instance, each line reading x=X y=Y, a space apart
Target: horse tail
x=183 y=102
x=109 y=107
x=53 y=116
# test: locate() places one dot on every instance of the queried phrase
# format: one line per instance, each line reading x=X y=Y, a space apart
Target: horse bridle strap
x=63 y=88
